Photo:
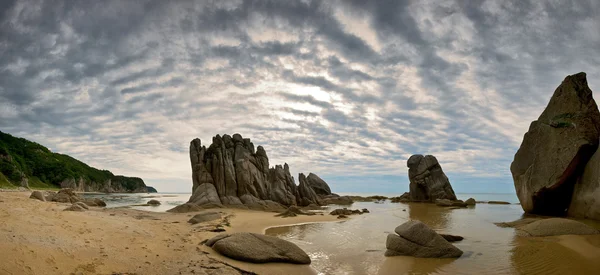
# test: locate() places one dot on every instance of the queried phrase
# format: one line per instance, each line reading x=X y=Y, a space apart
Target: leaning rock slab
x=417 y=239
x=258 y=248
x=556 y=148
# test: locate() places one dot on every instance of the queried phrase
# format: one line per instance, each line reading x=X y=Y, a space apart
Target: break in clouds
x=345 y=89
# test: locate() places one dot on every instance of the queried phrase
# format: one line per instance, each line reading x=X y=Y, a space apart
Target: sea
x=357 y=245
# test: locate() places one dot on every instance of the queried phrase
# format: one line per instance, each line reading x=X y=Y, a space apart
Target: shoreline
x=40 y=238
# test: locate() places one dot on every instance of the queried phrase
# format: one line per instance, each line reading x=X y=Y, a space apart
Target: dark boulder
x=427 y=180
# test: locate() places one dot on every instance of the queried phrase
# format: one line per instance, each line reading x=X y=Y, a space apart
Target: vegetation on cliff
x=23 y=162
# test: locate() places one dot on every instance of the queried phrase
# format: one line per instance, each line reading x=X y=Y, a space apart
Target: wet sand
x=356 y=246
x=39 y=238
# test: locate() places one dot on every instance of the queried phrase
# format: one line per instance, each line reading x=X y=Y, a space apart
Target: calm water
x=167 y=200
x=356 y=246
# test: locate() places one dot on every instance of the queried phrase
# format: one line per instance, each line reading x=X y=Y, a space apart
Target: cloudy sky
x=345 y=89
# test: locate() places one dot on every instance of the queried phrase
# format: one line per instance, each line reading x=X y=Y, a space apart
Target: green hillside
x=21 y=159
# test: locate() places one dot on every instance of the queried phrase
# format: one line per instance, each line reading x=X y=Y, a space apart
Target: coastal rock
x=318 y=185
x=555 y=226
x=205 y=217
x=66 y=195
x=307 y=195
x=231 y=172
x=293 y=211
x=258 y=248
x=585 y=202
x=336 y=199
x=498 y=202
x=153 y=202
x=427 y=180
x=470 y=201
x=450 y=203
x=416 y=239
x=75 y=207
x=556 y=149
x=37 y=195
x=342 y=217
x=517 y=223
x=95 y=202
x=82 y=205
x=403 y=198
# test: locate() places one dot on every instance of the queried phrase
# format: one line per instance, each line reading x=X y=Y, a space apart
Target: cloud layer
x=345 y=89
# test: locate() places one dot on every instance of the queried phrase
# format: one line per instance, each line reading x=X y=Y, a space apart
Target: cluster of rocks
x=233 y=173
x=67 y=195
x=294 y=211
x=345 y=212
x=414 y=238
x=258 y=248
x=455 y=203
x=556 y=170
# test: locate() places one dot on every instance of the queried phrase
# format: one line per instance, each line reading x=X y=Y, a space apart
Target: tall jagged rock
x=427 y=180
x=549 y=164
x=306 y=195
x=231 y=172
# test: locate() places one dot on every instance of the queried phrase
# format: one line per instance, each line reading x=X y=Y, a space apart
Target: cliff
x=29 y=164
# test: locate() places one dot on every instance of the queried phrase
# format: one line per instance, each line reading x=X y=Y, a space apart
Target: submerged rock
x=417 y=239
x=555 y=150
x=258 y=248
x=450 y=203
x=153 y=202
x=498 y=202
x=555 y=226
x=452 y=238
x=427 y=180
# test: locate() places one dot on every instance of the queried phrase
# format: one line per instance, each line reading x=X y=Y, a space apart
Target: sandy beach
x=40 y=238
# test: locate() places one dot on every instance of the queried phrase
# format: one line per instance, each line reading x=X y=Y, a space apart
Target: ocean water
x=167 y=200
x=357 y=245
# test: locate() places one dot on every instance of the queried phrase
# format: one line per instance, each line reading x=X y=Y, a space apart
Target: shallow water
x=356 y=246
x=167 y=200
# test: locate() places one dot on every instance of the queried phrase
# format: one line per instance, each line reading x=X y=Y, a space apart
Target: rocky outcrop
x=427 y=180
x=231 y=172
x=64 y=195
x=116 y=184
x=547 y=169
x=417 y=239
x=151 y=189
x=257 y=248
x=536 y=227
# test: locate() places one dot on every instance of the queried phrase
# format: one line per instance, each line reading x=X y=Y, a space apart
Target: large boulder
x=258 y=248
x=320 y=187
x=205 y=217
x=306 y=195
x=555 y=150
x=95 y=202
x=417 y=239
x=427 y=180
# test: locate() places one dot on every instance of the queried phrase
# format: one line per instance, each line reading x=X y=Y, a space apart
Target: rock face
x=416 y=239
x=548 y=167
x=585 y=202
x=427 y=180
x=231 y=172
x=258 y=248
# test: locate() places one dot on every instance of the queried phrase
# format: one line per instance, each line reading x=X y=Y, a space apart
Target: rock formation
x=417 y=239
x=231 y=172
x=258 y=248
x=537 y=227
x=548 y=167
x=427 y=180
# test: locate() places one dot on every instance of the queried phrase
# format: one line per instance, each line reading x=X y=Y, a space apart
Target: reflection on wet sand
x=356 y=246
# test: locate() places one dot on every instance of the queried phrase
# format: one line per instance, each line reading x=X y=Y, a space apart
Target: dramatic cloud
x=345 y=89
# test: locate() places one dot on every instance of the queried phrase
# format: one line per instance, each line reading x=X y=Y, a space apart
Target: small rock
x=452 y=238
x=342 y=217
x=153 y=202
x=82 y=205
x=364 y=210
x=205 y=217
x=470 y=201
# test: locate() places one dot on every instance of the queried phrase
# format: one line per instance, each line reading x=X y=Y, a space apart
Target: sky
x=348 y=90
